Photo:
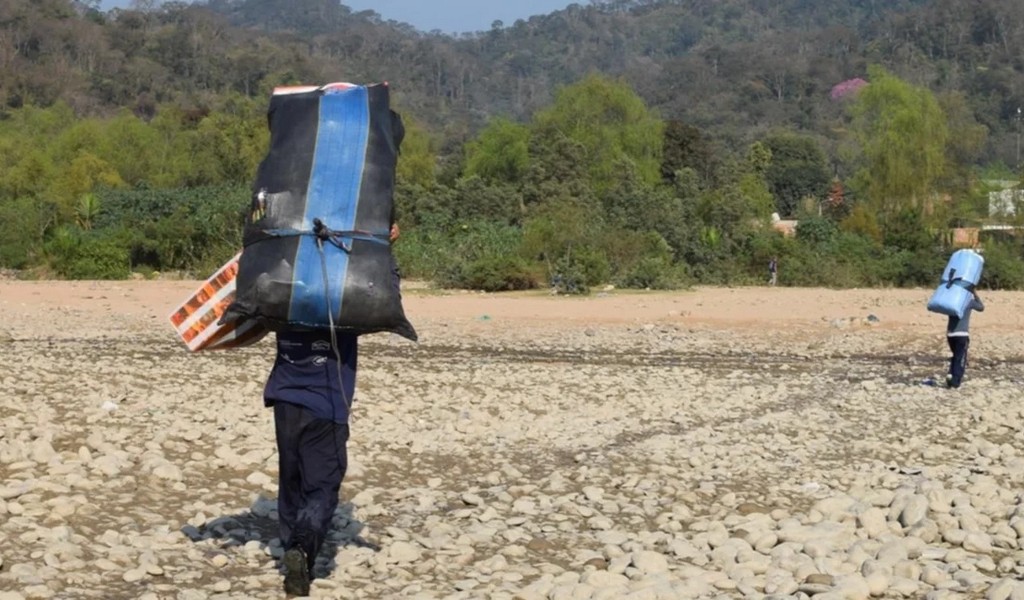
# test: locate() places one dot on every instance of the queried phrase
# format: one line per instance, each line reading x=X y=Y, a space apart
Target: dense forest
x=644 y=143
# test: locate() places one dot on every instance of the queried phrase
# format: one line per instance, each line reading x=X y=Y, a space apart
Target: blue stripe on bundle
x=332 y=197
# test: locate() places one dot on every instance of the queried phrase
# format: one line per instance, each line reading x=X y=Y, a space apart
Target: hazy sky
x=450 y=16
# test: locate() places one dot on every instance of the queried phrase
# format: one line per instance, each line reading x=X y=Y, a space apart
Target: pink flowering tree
x=847 y=88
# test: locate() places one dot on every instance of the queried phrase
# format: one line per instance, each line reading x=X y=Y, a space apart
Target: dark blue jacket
x=307 y=372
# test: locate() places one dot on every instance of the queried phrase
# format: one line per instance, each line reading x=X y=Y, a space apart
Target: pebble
x=403 y=552
x=873 y=522
x=649 y=562
x=259 y=478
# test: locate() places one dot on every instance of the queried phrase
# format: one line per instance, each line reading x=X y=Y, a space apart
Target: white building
x=1008 y=201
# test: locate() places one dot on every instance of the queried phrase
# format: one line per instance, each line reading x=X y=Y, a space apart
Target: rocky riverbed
x=518 y=454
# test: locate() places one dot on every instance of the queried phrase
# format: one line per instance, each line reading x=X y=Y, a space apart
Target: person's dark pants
x=312 y=462
x=958 y=344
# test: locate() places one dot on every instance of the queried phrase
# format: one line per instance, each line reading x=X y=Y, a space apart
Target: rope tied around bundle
x=323 y=233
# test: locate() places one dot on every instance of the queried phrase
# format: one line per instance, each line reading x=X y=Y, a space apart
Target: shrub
x=907 y=230
x=421 y=252
x=568 y=276
x=100 y=259
x=815 y=230
x=860 y=261
x=641 y=259
x=456 y=254
x=24 y=221
x=922 y=267
x=1004 y=269
x=805 y=266
x=846 y=260
x=654 y=273
x=195 y=229
x=497 y=274
x=75 y=255
x=593 y=263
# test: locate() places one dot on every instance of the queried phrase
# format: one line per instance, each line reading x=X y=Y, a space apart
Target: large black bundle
x=316 y=250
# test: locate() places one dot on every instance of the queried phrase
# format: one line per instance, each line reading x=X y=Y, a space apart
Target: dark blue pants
x=958 y=364
x=312 y=462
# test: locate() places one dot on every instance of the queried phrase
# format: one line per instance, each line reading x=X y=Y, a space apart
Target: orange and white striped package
x=196 y=319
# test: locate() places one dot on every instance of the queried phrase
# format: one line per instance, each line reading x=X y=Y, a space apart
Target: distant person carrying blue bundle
x=959 y=338
x=956 y=298
x=956 y=288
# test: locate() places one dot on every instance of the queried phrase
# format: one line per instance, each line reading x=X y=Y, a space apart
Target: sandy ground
x=779 y=320
x=746 y=307
x=714 y=442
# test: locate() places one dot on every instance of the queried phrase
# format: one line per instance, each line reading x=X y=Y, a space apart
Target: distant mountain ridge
x=734 y=67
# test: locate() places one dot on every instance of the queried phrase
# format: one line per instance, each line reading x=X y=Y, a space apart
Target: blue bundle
x=955 y=291
x=316 y=249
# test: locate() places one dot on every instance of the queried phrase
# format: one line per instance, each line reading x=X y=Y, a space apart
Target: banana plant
x=87 y=211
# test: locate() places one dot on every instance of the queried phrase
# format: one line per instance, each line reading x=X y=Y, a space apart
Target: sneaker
x=949 y=381
x=296 y=572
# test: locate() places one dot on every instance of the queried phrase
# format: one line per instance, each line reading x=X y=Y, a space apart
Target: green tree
x=84 y=175
x=685 y=147
x=863 y=222
x=610 y=123
x=137 y=150
x=752 y=185
x=967 y=139
x=233 y=139
x=500 y=153
x=797 y=170
x=23 y=221
x=417 y=161
x=557 y=172
x=757 y=199
x=903 y=134
x=30 y=175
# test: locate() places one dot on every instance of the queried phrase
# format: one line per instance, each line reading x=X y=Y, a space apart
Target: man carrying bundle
x=311 y=388
x=318 y=268
x=958 y=336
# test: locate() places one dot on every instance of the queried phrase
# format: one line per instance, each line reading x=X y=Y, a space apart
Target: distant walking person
x=773 y=271
x=959 y=338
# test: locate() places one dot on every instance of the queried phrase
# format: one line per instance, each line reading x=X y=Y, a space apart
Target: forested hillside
x=640 y=142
